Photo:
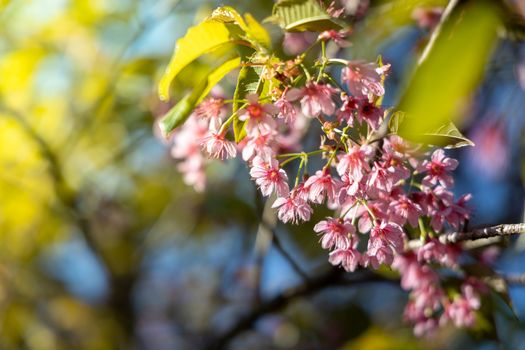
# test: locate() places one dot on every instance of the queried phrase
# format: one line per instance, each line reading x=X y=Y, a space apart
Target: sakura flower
x=402 y=209
x=348 y=109
x=315 y=98
x=459 y=212
x=381 y=178
x=335 y=233
x=259 y=116
x=385 y=240
x=355 y=161
x=413 y=273
x=437 y=169
x=186 y=148
x=389 y=234
x=269 y=177
x=434 y=250
x=292 y=209
x=371 y=114
x=378 y=253
x=321 y=185
x=363 y=79
x=337 y=37
x=287 y=110
x=348 y=258
x=366 y=220
x=212 y=110
x=257 y=145
x=217 y=146
x=461 y=311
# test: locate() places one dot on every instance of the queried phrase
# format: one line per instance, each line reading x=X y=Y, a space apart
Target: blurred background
x=102 y=246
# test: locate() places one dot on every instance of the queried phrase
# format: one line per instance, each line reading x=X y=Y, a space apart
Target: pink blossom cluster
x=383 y=190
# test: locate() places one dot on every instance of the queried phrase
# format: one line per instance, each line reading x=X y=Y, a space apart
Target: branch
x=514 y=279
x=486 y=232
x=332 y=278
x=475 y=234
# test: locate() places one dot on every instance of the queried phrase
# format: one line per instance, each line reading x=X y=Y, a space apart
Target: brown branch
x=334 y=277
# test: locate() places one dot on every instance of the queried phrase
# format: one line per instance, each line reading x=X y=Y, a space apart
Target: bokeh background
x=102 y=246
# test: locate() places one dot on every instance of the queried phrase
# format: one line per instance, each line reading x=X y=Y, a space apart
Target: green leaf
x=447 y=136
x=250 y=81
x=216 y=76
x=199 y=40
x=449 y=71
x=302 y=15
x=253 y=31
x=177 y=115
x=257 y=31
x=182 y=110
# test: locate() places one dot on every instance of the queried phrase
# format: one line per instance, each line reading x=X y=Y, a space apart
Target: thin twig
x=286 y=255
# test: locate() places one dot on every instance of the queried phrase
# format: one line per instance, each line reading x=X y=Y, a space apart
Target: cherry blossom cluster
x=383 y=190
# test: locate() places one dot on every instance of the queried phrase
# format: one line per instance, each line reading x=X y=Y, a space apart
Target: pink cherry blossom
x=269 y=177
x=292 y=209
x=388 y=233
x=348 y=258
x=258 y=116
x=348 y=110
x=287 y=110
x=461 y=311
x=363 y=79
x=336 y=36
x=217 y=146
x=437 y=169
x=381 y=178
x=212 y=110
x=335 y=233
x=315 y=98
x=369 y=113
x=186 y=148
x=257 y=145
x=402 y=209
x=321 y=185
x=413 y=273
x=355 y=161
x=435 y=251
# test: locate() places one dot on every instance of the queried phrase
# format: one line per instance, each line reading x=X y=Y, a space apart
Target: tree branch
x=475 y=234
x=486 y=232
x=332 y=278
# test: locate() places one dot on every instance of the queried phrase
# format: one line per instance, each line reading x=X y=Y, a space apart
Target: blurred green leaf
x=449 y=71
x=182 y=110
x=199 y=40
x=302 y=15
x=250 y=81
x=253 y=30
x=447 y=136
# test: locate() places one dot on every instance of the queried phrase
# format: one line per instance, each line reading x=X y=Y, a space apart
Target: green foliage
x=449 y=71
x=250 y=81
x=302 y=15
x=199 y=40
x=182 y=110
x=223 y=27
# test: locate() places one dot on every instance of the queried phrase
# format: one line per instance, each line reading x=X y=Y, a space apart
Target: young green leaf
x=449 y=71
x=250 y=81
x=199 y=40
x=252 y=30
x=302 y=15
x=182 y=110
